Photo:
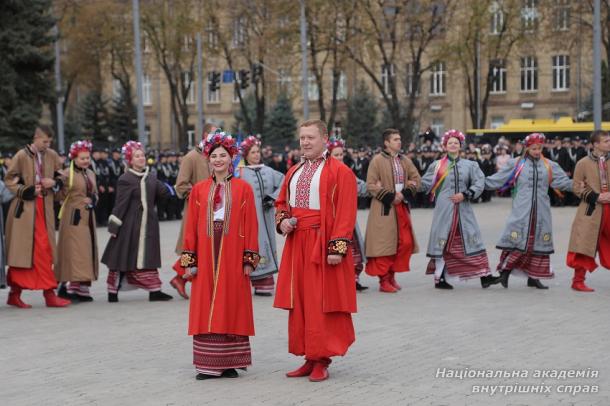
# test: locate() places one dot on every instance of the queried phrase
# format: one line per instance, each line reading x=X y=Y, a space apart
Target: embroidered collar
x=324 y=157
x=258 y=166
x=228 y=178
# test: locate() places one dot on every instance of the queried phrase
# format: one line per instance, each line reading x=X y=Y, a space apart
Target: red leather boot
x=52 y=300
x=320 y=370
x=180 y=285
x=304 y=370
x=385 y=285
x=578 y=282
x=393 y=281
x=14 y=298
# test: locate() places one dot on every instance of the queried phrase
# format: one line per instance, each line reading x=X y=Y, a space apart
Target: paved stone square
x=137 y=353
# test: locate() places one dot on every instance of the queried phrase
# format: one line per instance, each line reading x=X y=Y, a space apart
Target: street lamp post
x=142 y=137
x=597 y=67
x=304 y=70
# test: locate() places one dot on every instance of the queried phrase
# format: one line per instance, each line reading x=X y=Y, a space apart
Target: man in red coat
x=316 y=210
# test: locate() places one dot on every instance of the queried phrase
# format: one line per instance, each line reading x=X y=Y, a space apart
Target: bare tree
x=170 y=27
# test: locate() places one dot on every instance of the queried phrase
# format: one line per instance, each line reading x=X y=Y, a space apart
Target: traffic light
x=257 y=72
x=214 y=84
x=244 y=78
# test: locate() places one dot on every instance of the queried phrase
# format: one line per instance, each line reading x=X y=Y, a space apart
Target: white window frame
x=499 y=71
x=312 y=87
x=411 y=80
x=211 y=36
x=284 y=80
x=237 y=79
x=212 y=97
x=146 y=90
x=529 y=15
x=342 y=87
x=438 y=126
x=562 y=11
x=116 y=89
x=386 y=72
x=190 y=97
x=438 y=76
x=239 y=32
x=561 y=72
x=497 y=18
x=529 y=74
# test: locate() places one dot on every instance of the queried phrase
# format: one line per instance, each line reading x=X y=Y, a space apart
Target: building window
x=146 y=90
x=497 y=18
x=211 y=35
x=284 y=80
x=529 y=15
x=387 y=71
x=116 y=89
x=412 y=87
x=438 y=79
x=237 y=89
x=496 y=121
x=188 y=82
x=239 y=32
x=212 y=97
x=342 y=87
x=529 y=74
x=498 y=76
x=438 y=127
x=561 y=15
x=561 y=72
x=312 y=86
x=187 y=43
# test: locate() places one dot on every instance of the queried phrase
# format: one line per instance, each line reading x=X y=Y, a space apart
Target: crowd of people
x=238 y=195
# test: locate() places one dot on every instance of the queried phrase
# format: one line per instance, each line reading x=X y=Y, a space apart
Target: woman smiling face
x=220 y=161
x=453 y=146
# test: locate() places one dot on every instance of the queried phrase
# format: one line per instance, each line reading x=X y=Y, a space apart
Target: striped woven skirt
x=456 y=262
x=536 y=266
x=214 y=353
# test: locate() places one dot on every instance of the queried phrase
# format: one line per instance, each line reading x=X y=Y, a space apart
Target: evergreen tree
x=94 y=118
x=123 y=119
x=282 y=125
x=26 y=64
x=361 y=122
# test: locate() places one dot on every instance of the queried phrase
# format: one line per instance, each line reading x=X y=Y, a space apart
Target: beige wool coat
x=20 y=177
x=588 y=219
x=382 y=229
x=193 y=169
x=77 y=252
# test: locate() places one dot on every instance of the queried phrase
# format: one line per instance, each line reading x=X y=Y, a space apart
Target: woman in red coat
x=221 y=241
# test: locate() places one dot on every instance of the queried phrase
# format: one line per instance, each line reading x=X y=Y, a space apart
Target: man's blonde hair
x=319 y=124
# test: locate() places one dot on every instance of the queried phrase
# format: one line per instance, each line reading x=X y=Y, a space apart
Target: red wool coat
x=221 y=300
x=338 y=210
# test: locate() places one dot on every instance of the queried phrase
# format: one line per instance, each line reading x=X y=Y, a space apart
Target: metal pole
x=478 y=84
x=138 y=59
x=304 y=70
x=199 y=126
x=61 y=143
x=597 y=67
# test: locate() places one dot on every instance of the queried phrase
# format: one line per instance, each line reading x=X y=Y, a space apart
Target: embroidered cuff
x=188 y=259
x=469 y=195
x=338 y=246
x=279 y=217
x=251 y=258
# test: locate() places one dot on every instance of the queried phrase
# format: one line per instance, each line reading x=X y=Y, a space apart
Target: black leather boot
x=159 y=296
x=504 y=278
x=535 y=283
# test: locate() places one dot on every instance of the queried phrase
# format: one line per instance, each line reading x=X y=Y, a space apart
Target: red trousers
x=40 y=276
x=311 y=332
x=399 y=262
x=581 y=261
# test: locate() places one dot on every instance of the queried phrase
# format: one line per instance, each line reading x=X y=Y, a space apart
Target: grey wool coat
x=529 y=196
x=134 y=222
x=465 y=177
x=266 y=183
